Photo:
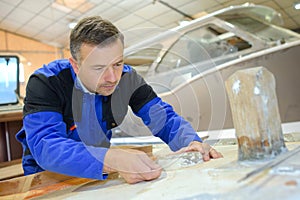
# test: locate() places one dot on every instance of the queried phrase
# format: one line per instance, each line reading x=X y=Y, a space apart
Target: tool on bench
x=174 y=161
x=270 y=165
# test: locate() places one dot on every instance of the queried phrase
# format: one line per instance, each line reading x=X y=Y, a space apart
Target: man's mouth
x=108 y=86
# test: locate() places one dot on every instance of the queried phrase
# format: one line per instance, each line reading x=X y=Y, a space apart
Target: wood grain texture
x=11 y=115
x=255 y=113
x=42 y=183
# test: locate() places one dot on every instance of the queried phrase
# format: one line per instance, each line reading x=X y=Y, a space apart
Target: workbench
x=223 y=178
x=11 y=117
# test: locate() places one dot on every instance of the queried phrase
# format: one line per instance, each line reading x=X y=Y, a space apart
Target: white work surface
x=216 y=179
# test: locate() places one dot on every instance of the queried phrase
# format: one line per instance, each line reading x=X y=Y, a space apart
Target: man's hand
x=133 y=165
x=205 y=149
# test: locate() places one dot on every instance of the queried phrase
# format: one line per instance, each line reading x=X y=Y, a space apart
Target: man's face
x=100 y=68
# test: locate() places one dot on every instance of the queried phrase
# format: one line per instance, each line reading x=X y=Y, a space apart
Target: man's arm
x=165 y=123
x=161 y=119
x=47 y=135
x=52 y=149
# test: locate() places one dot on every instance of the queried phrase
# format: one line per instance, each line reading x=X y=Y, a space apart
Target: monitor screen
x=9 y=80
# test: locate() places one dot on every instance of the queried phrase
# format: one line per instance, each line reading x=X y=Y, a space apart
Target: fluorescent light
x=72 y=25
x=21 y=73
x=61 y=7
x=183 y=22
x=297 y=6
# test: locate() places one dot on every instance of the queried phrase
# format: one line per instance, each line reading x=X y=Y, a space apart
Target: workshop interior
x=229 y=68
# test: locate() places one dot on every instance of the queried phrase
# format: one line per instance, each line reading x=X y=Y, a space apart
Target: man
x=72 y=105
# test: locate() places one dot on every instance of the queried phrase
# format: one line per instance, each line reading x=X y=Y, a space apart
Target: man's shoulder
x=127 y=68
x=55 y=67
x=129 y=71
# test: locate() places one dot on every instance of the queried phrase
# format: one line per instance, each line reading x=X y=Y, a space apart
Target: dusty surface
x=217 y=179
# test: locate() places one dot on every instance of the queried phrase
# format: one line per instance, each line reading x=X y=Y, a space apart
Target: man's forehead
x=98 y=62
x=101 y=55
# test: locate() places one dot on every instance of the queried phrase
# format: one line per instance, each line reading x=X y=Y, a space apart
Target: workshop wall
x=33 y=54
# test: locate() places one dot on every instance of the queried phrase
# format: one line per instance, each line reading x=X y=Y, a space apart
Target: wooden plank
x=11 y=169
x=11 y=115
x=10 y=163
x=46 y=182
x=38 y=184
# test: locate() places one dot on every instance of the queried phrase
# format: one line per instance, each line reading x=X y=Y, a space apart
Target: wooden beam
x=255 y=113
x=42 y=183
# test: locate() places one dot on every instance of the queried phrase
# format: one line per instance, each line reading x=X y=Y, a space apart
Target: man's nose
x=110 y=74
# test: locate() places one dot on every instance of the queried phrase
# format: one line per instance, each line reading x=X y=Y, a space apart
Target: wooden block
x=42 y=183
x=11 y=169
x=255 y=113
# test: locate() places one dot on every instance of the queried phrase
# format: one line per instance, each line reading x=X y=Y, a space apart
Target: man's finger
x=149 y=162
x=214 y=153
x=197 y=146
x=132 y=178
x=205 y=155
x=154 y=174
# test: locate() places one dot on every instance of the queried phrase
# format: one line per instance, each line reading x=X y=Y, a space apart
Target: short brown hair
x=95 y=31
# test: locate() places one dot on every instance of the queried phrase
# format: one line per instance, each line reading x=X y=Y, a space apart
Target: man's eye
x=119 y=64
x=99 y=68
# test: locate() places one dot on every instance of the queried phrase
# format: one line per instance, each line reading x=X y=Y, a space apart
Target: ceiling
x=48 y=20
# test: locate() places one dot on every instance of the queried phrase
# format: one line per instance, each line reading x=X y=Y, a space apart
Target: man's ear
x=74 y=65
